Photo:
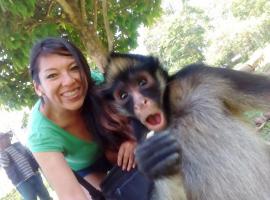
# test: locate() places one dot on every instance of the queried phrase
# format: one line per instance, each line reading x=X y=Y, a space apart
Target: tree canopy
x=96 y=27
x=220 y=33
x=182 y=40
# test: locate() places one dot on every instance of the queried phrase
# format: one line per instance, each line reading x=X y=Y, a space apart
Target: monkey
x=200 y=108
x=170 y=184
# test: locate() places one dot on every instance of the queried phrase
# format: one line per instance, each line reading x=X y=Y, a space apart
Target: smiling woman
x=66 y=126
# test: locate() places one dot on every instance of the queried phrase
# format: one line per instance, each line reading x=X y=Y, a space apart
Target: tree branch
x=32 y=23
x=49 y=8
x=107 y=26
x=95 y=14
x=71 y=9
x=83 y=11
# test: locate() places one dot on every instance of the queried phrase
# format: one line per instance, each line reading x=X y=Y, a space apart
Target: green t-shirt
x=46 y=136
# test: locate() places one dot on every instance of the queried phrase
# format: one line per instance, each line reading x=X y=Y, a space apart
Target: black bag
x=121 y=185
x=126 y=185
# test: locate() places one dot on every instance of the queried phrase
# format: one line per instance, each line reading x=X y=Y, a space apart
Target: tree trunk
x=95 y=49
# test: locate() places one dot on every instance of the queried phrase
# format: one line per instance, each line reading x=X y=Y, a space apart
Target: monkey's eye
x=123 y=95
x=142 y=82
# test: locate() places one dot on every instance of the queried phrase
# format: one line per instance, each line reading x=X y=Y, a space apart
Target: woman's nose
x=67 y=79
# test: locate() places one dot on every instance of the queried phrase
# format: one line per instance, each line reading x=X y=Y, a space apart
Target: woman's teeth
x=71 y=93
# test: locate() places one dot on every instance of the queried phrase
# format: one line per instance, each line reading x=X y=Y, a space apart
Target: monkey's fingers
x=146 y=163
x=150 y=157
x=155 y=144
x=170 y=165
x=160 y=162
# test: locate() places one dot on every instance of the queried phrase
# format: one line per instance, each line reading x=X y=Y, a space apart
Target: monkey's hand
x=159 y=155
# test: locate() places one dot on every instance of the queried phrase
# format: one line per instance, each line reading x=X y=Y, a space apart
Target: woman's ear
x=38 y=89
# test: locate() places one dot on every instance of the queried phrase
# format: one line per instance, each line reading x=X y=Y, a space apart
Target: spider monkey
x=202 y=137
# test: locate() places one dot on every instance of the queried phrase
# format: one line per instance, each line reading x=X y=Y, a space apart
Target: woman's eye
x=50 y=76
x=75 y=68
x=123 y=95
x=142 y=82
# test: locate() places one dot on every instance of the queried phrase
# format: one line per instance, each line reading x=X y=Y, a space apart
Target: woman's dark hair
x=102 y=120
x=115 y=128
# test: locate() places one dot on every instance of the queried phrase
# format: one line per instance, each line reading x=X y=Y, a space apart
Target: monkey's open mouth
x=154 y=119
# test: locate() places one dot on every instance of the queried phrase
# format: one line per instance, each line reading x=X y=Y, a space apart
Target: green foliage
x=245 y=29
x=25 y=120
x=236 y=38
x=126 y=23
x=248 y=8
x=241 y=28
x=18 y=8
x=23 y=22
x=220 y=33
x=182 y=40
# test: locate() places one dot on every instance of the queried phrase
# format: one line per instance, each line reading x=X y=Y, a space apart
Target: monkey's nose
x=141 y=104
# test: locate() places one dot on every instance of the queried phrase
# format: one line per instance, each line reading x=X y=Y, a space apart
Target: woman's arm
x=124 y=158
x=60 y=176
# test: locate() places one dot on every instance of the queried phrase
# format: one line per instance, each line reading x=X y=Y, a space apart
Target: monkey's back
x=214 y=167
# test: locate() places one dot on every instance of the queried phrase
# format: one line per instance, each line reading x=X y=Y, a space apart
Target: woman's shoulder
x=42 y=133
x=38 y=124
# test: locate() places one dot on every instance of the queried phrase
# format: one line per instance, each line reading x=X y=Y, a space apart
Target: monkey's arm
x=159 y=155
x=250 y=90
x=239 y=91
x=246 y=90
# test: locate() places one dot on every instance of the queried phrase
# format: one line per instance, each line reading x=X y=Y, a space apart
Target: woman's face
x=63 y=84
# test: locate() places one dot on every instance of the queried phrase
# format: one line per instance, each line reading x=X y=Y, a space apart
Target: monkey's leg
x=169 y=188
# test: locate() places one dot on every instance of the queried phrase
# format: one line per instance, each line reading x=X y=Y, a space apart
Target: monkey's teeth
x=150 y=134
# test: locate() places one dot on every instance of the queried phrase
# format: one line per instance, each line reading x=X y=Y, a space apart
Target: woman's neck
x=60 y=117
x=71 y=121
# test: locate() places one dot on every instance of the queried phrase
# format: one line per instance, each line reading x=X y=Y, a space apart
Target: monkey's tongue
x=154 y=119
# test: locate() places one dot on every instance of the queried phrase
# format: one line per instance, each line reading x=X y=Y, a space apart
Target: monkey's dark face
x=140 y=95
x=136 y=84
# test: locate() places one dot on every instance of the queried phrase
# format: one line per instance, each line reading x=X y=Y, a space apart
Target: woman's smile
x=72 y=93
